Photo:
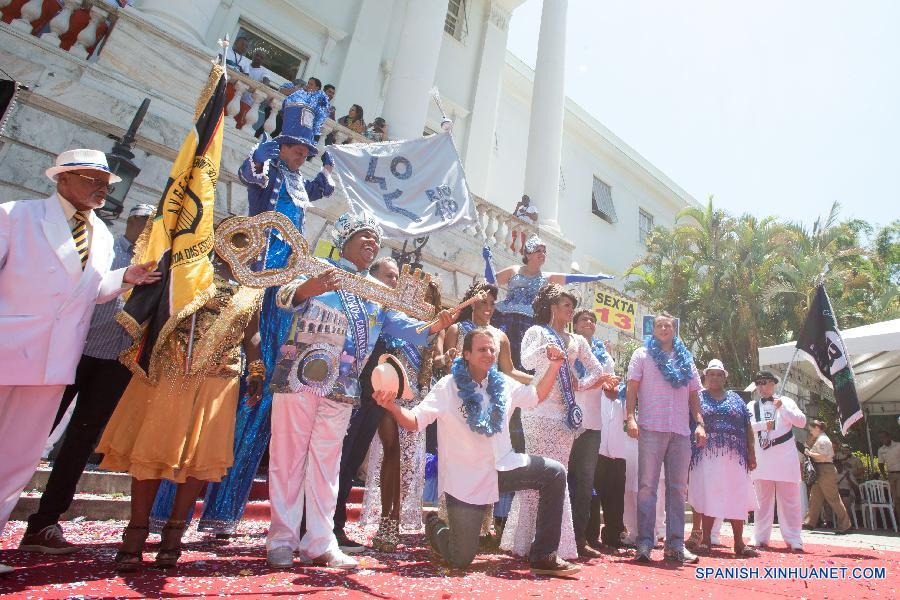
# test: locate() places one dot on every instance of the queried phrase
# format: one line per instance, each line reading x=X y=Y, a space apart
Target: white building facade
x=515 y=130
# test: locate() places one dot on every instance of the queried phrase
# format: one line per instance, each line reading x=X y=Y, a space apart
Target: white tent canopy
x=875 y=357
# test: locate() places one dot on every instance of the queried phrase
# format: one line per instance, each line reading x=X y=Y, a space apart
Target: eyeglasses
x=763 y=382
x=96 y=181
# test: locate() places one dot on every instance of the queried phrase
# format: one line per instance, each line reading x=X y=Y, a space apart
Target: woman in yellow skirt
x=178 y=422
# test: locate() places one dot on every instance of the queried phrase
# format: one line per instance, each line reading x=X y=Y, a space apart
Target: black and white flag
x=821 y=343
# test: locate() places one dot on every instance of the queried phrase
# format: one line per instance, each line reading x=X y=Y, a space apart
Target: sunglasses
x=95 y=181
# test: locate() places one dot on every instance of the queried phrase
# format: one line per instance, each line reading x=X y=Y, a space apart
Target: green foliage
x=741 y=282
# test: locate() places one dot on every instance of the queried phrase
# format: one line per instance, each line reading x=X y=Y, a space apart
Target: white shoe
x=281 y=557
x=4 y=569
x=796 y=547
x=335 y=559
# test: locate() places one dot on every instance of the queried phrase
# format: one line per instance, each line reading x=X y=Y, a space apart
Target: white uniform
x=46 y=303
x=777 y=473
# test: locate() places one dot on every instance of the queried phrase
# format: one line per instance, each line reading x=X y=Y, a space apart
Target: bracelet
x=257 y=368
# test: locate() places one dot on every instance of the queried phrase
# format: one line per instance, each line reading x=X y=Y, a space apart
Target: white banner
x=412 y=187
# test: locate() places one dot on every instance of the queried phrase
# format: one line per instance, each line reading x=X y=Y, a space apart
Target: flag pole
x=223 y=43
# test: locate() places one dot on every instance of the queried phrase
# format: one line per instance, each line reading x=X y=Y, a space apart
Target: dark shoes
x=585 y=551
x=643 y=555
x=49 y=540
x=553 y=566
x=347 y=545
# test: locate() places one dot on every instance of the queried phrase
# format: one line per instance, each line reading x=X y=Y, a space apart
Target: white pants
x=26 y=417
x=304 y=464
x=790 y=514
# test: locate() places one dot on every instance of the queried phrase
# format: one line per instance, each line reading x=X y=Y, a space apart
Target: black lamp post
x=413 y=256
x=120 y=163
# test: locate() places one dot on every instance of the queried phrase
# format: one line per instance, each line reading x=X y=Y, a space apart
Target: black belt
x=782 y=439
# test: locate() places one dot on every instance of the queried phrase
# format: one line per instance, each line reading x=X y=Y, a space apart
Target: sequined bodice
x=520 y=293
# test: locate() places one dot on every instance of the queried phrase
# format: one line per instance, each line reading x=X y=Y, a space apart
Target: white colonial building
x=88 y=65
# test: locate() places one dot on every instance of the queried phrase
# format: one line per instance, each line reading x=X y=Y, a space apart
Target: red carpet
x=237 y=569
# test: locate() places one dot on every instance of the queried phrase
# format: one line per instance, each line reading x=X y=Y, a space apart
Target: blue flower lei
x=599 y=350
x=677 y=370
x=485 y=424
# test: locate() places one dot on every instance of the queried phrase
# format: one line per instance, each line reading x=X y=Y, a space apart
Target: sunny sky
x=775 y=107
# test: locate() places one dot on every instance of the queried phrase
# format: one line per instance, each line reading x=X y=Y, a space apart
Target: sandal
x=747 y=552
x=693 y=541
x=170 y=544
x=128 y=560
x=386 y=538
x=702 y=548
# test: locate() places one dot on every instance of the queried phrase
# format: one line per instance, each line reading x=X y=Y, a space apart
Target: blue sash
x=412 y=353
x=359 y=325
x=573 y=411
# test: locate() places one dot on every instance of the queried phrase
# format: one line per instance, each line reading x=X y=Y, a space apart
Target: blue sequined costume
x=290 y=194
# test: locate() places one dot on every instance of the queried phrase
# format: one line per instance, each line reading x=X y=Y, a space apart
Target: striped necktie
x=80 y=235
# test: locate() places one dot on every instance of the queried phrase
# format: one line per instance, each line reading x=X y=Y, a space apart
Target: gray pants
x=457 y=540
x=582 y=466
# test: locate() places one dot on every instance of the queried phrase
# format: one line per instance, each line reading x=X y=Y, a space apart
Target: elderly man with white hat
x=100 y=380
x=55 y=266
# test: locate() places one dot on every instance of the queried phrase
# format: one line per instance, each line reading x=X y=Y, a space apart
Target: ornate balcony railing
x=77 y=26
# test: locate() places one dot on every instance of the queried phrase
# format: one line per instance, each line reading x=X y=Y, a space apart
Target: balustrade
x=77 y=26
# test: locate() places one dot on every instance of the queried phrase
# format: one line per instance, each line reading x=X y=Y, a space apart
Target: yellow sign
x=614 y=311
x=325 y=249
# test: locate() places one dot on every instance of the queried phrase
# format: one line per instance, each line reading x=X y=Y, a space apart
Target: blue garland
x=485 y=424
x=677 y=370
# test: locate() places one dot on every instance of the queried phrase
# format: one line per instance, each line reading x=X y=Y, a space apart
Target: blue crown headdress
x=349 y=224
x=301 y=118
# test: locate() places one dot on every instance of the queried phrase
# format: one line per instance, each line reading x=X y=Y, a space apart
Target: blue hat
x=302 y=118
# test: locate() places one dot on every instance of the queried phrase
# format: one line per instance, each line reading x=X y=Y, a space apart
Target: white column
x=361 y=79
x=412 y=76
x=547 y=105
x=480 y=146
x=187 y=20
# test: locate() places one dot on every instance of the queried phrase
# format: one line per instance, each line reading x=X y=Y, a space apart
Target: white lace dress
x=547 y=434
x=412 y=467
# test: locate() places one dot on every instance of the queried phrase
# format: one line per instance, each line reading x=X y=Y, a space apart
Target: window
x=455 y=21
x=281 y=60
x=601 y=201
x=645 y=225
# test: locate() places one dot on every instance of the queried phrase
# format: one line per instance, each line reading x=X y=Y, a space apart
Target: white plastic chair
x=876 y=495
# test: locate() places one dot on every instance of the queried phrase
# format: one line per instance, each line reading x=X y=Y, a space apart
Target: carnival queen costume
x=550 y=429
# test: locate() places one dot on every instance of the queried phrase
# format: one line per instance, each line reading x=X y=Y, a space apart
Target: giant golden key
x=241 y=242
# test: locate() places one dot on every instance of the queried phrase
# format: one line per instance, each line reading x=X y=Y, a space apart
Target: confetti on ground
x=237 y=568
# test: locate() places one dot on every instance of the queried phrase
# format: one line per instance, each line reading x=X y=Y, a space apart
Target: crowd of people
x=543 y=450
x=251 y=63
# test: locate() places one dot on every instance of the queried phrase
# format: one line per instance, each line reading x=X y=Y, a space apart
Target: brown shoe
x=49 y=540
x=588 y=552
x=553 y=566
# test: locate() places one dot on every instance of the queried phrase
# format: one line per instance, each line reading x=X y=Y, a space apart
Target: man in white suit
x=55 y=257
x=777 y=473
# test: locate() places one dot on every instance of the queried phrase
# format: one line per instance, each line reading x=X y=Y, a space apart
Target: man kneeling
x=472 y=407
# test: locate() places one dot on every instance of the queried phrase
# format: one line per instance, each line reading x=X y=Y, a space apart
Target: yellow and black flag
x=180 y=237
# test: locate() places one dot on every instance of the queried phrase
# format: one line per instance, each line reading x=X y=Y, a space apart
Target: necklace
x=486 y=424
x=677 y=369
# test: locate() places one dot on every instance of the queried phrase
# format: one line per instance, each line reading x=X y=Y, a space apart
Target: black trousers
x=362 y=429
x=99 y=383
x=609 y=481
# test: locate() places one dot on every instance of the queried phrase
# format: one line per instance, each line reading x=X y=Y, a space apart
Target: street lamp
x=120 y=163
x=412 y=257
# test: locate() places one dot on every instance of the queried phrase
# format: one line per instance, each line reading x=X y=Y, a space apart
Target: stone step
x=102 y=507
x=109 y=483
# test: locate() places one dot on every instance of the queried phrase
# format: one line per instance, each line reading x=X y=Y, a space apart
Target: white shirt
x=523 y=211
x=468 y=461
x=889 y=456
x=776 y=463
x=589 y=400
x=823 y=446
x=613 y=438
x=241 y=61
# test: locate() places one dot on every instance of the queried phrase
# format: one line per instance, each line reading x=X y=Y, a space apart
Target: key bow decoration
x=241 y=241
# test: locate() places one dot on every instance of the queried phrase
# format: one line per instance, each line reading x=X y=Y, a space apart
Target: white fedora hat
x=715 y=365
x=390 y=375
x=82 y=158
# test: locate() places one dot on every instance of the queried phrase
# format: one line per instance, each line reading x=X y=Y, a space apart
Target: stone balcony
x=88 y=65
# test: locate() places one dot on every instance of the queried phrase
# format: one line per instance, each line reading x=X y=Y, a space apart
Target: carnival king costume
x=777 y=473
x=316 y=384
